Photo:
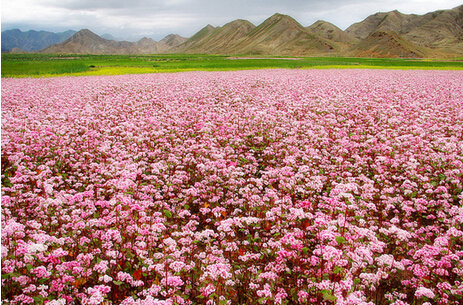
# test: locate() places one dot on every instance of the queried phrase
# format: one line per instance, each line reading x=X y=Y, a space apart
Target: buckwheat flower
x=423 y=291
x=208 y=290
x=444 y=286
x=41 y=272
x=302 y=296
x=177 y=266
x=266 y=292
x=30 y=288
x=95 y=298
x=216 y=271
x=138 y=283
x=173 y=281
x=124 y=277
x=400 y=302
x=170 y=242
x=48 y=188
x=385 y=260
x=268 y=275
x=101 y=267
x=57 y=302
x=34 y=248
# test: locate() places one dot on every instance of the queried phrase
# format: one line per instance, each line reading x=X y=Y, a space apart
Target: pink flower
x=423 y=291
x=172 y=280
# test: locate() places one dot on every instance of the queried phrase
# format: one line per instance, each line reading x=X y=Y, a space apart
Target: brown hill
x=282 y=35
x=386 y=45
x=196 y=39
x=144 y=46
x=331 y=32
x=390 y=21
x=442 y=29
x=87 y=42
x=391 y=34
x=219 y=40
x=169 y=42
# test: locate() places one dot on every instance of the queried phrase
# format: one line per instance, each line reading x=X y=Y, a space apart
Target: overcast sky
x=133 y=19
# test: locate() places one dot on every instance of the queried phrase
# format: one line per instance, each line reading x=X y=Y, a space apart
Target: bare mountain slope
x=387 y=45
x=443 y=29
x=438 y=30
x=331 y=32
x=390 y=21
x=391 y=34
x=169 y=42
x=219 y=40
x=87 y=42
x=196 y=39
x=282 y=35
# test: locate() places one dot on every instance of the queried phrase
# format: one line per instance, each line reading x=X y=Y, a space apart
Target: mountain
x=391 y=21
x=85 y=41
x=331 y=32
x=32 y=40
x=439 y=29
x=282 y=35
x=217 y=40
x=384 y=34
x=442 y=29
x=386 y=44
x=169 y=42
x=197 y=38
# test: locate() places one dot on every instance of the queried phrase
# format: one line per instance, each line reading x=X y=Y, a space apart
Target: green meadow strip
x=49 y=65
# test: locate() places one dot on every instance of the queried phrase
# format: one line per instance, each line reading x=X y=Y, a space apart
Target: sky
x=134 y=19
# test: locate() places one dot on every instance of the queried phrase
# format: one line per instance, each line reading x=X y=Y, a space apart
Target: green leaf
x=327 y=296
x=305 y=250
x=118 y=283
x=340 y=240
x=168 y=213
x=6 y=275
x=337 y=270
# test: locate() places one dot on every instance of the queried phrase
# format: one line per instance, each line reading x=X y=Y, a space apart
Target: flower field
x=249 y=187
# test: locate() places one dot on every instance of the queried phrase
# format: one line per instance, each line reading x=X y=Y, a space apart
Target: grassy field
x=39 y=65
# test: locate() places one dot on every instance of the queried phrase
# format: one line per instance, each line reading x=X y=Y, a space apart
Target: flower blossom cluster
x=250 y=187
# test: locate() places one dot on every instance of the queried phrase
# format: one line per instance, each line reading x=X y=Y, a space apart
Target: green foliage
x=27 y=65
x=340 y=240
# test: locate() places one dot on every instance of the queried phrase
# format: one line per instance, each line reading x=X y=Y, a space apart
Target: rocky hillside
x=440 y=30
x=217 y=40
x=85 y=41
x=282 y=35
x=386 y=44
x=385 y=34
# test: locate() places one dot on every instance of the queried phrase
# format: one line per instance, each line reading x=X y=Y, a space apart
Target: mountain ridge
x=434 y=34
x=32 y=40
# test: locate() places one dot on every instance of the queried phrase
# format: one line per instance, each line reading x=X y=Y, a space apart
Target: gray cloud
x=132 y=19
